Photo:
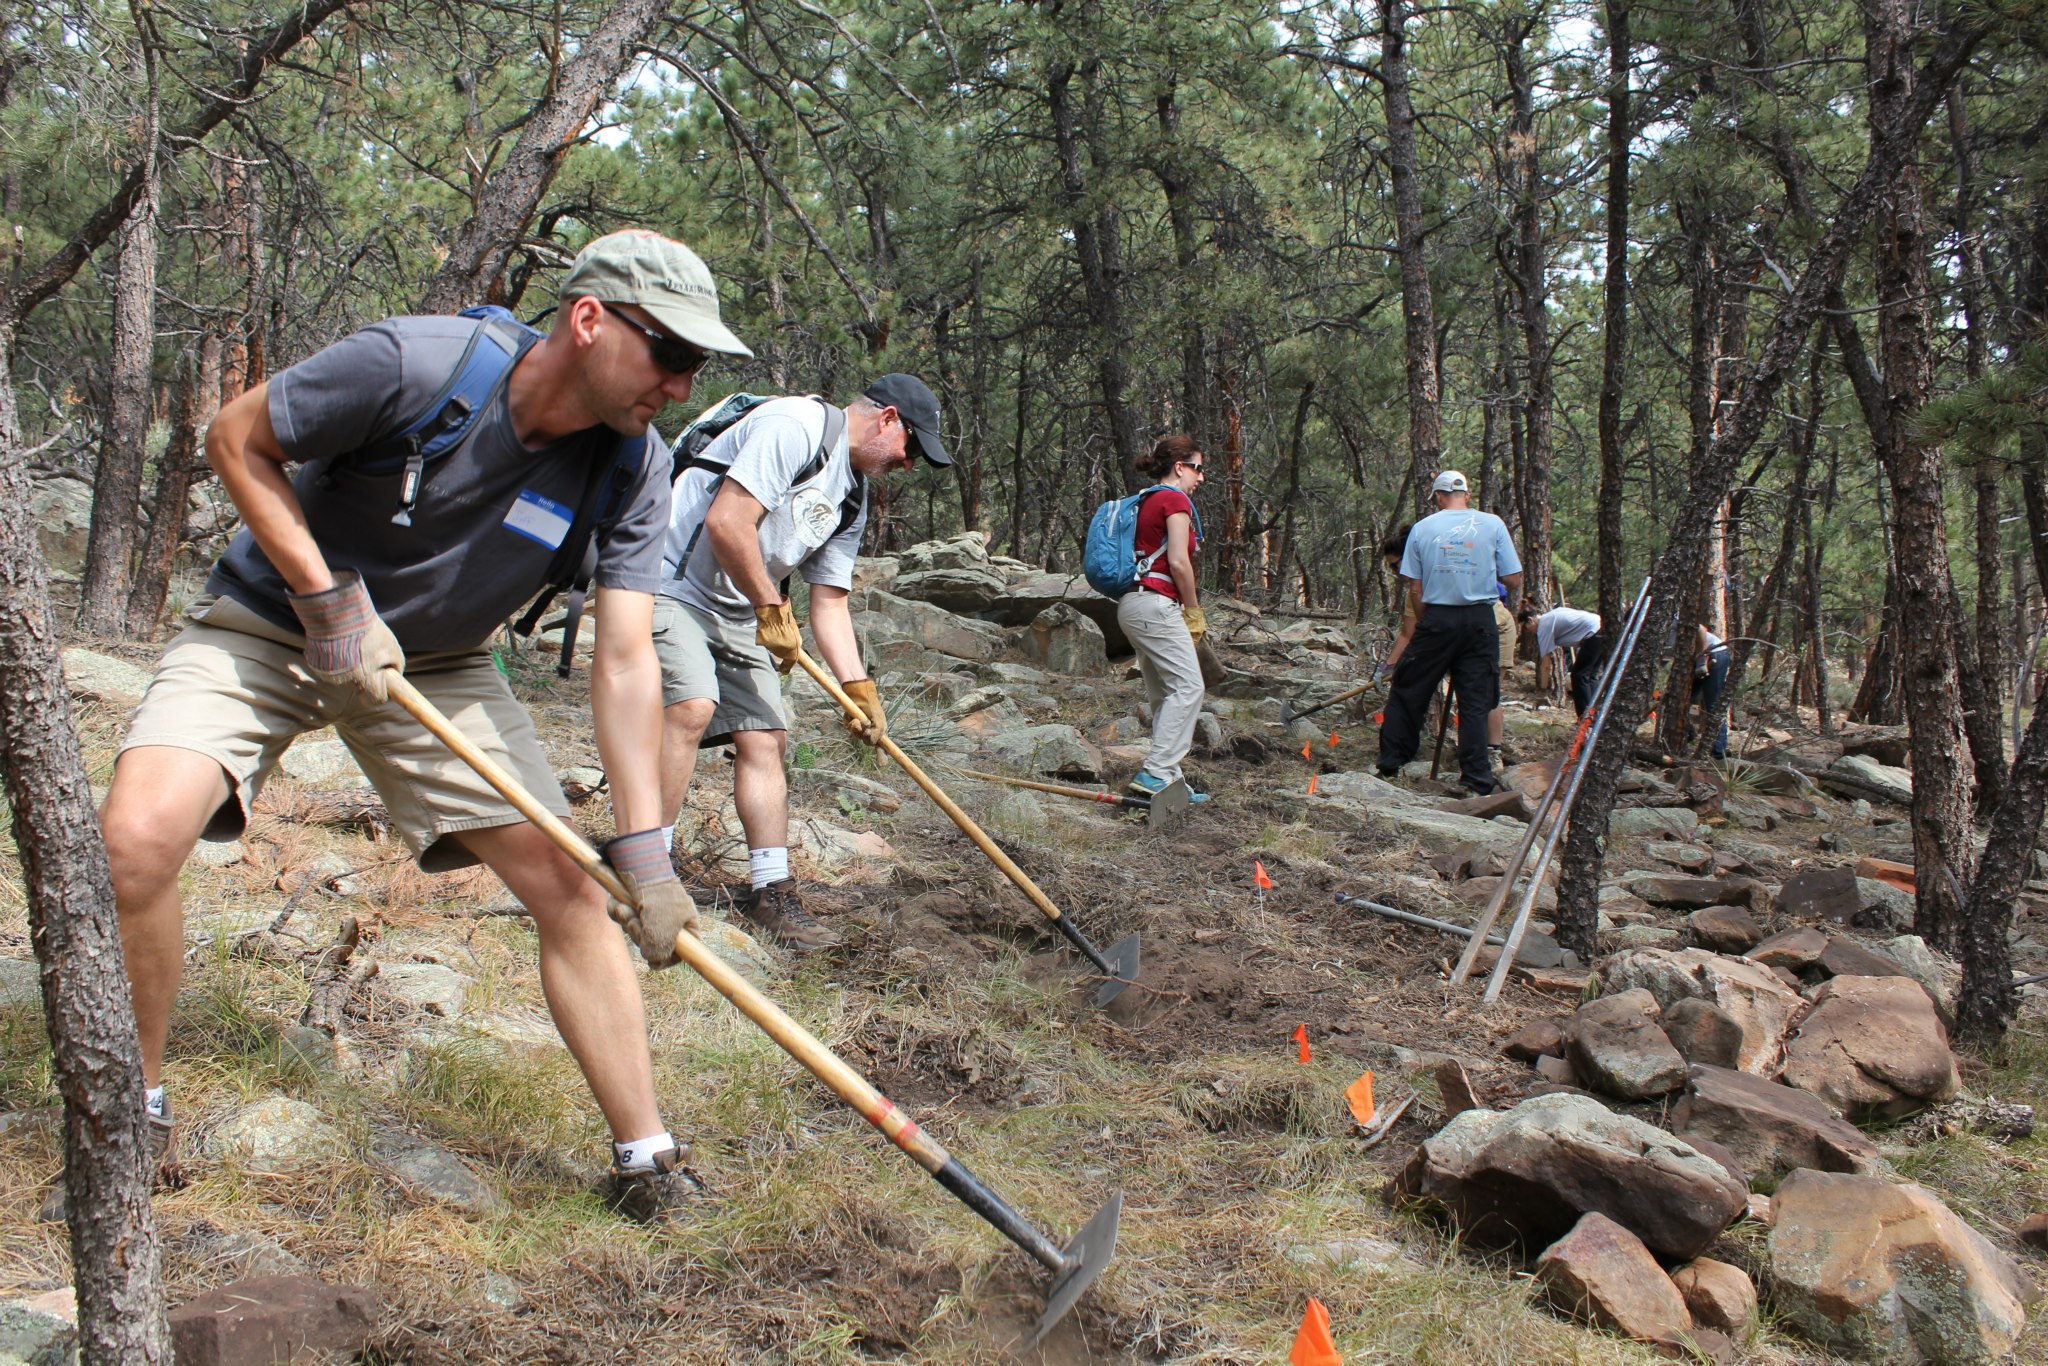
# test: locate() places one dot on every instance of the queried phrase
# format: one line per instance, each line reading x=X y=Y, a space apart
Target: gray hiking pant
x=1173 y=677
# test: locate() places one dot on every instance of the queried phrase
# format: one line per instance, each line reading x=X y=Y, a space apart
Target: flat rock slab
x=1885 y=1272
x=430 y=987
x=1847 y=958
x=1522 y=1177
x=277 y=1136
x=270 y=1319
x=1601 y=1274
x=1510 y=802
x=434 y=1171
x=1872 y=1046
x=1678 y=822
x=1820 y=894
x=20 y=983
x=1769 y=1127
x=1724 y=929
x=1795 y=949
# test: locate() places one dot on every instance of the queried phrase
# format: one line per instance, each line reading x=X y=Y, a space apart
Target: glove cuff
x=641 y=856
x=344 y=609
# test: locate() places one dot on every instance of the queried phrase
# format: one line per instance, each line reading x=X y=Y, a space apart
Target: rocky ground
x=1739 y=1135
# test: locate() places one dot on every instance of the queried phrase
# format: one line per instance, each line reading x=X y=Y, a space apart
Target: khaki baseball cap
x=662 y=276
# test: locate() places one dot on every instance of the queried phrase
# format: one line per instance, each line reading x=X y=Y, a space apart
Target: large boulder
x=1054 y=750
x=1601 y=1274
x=1615 y=1047
x=1724 y=929
x=1889 y=1273
x=886 y=617
x=1063 y=641
x=1749 y=993
x=62 y=509
x=91 y=674
x=1366 y=799
x=1702 y=1032
x=1872 y=1046
x=1523 y=1177
x=1872 y=778
x=1769 y=1128
x=968 y=550
x=965 y=589
x=1820 y=894
x=1030 y=592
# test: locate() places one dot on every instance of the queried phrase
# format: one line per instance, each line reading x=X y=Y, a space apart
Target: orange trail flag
x=1313 y=1345
x=1358 y=1095
x=1333 y=739
x=1259 y=875
x=1305 y=748
x=1311 y=784
x=1301 y=1039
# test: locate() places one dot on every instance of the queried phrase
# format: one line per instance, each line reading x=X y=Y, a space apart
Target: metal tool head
x=1122 y=957
x=1168 y=806
x=1086 y=1257
x=1286 y=712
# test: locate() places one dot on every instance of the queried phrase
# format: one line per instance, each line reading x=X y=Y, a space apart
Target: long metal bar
x=1060 y=790
x=1577 y=762
x=1410 y=918
x=1081 y=1261
x=1514 y=867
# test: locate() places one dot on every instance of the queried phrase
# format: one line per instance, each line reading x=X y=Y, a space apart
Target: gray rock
x=740 y=950
x=323 y=762
x=1368 y=800
x=1063 y=641
x=1748 y=992
x=1940 y=977
x=1646 y=937
x=1018 y=813
x=244 y=1252
x=848 y=790
x=1013 y=675
x=217 y=853
x=62 y=508
x=968 y=550
x=1348 y=1254
x=1615 y=1047
x=1680 y=821
x=500 y=1291
x=33 y=1338
x=1049 y=749
x=1767 y=1127
x=964 y=589
x=875 y=571
x=311 y=1048
x=886 y=617
x=430 y=987
x=20 y=983
x=1209 y=733
x=433 y=1171
x=91 y=674
x=277 y=1136
x=1884 y=907
x=1896 y=783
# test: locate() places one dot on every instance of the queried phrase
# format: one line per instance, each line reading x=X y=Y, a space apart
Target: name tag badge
x=540 y=519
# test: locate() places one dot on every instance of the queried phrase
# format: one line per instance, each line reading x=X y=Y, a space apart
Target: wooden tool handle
x=931 y=789
x=794 y=1040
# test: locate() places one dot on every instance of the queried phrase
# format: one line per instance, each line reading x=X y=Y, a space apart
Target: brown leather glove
x=1198 y=625
x=870 y=727
x=664 y=910
x=776 y=632
x=346 y=641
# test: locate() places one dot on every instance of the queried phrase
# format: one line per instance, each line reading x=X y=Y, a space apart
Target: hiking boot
x=657 y=1194
x=779 y=909
x=1146 y=784
x=163 y=1163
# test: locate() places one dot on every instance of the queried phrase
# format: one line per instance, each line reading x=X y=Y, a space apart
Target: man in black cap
x=782 y=491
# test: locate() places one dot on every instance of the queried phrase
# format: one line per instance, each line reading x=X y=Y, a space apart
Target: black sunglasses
x=1194 y=465
x=672 y=354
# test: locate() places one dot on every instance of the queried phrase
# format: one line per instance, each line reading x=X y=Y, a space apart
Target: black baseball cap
x=915 y=403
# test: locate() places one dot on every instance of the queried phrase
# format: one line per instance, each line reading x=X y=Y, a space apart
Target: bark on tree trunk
x=1614 y=312
x=503 y=204
x=131 y=346
x=96 y=1057
x=1418 y=310
x=1530 y=282
x=184 y=456
x=1584 y=853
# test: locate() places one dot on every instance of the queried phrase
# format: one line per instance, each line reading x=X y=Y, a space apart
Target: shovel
x=1119 y=966
x=1074 y=1267
x=1163 y=810
x=1288 y=715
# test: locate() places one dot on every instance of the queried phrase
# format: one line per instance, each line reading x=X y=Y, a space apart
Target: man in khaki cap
x=369 y=560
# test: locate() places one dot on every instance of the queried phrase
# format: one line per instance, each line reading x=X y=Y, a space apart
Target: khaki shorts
x=1504 y=621
x=706 y=656
x=235 y=688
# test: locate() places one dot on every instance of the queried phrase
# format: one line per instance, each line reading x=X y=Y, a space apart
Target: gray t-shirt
x=1562 y=626
x=766 y=450
x=489 y=515
x=1458 y=554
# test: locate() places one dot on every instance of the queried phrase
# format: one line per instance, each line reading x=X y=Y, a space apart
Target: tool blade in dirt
x=1086 y=1257
x=1169 y=806
x=1123 y=970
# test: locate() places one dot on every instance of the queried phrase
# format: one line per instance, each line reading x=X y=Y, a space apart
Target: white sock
x=639 y=1154
x=767 y=865
x=154 y=1102
x=668 y=837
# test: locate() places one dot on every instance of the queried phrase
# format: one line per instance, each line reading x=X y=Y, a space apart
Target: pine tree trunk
x=184 y=457
x=1418 y=310
x=1531 y=267
x=1614 y=313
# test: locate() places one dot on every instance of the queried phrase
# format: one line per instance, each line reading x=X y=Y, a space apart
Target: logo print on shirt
x=815 y=516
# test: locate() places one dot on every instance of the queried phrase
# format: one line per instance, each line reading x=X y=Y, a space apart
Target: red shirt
x=1152 y=515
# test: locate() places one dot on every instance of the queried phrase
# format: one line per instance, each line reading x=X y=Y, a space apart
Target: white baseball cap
x=1450 y=481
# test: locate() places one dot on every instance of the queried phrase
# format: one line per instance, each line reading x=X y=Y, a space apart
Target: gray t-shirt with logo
x=766 y=450
x=1457 y=555
x=490 y=513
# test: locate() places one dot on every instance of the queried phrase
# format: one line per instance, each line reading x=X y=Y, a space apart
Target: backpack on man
x=1109 y=555
x=728 y=413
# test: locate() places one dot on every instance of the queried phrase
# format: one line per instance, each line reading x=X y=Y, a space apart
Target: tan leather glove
x=1198 y=625
x=346 y=641
x=870 y=727
x=665 y=909
x=776 y=632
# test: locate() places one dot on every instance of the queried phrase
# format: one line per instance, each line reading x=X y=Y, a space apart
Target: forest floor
x=1246 y=1185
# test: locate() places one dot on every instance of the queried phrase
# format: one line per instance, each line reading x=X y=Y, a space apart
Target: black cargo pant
x=1463 y=642
x=1587 y=658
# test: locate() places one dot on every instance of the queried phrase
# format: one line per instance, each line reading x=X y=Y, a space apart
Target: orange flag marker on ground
x=1259 y=875
x=1358 y=1095
x=1311 y=784
x=1301 y=1038
x=1305 y=744
x=1313 y=1345
x=1333 y=739
x=1379 y=718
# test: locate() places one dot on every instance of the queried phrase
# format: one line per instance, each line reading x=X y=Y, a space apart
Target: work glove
x=1380 y=674
x=1198 y=625
x=665 y=909
x=776 y=632
x=869 y=727
x=346 y=642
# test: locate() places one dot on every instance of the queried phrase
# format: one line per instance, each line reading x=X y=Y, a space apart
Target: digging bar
x=1163 y=810
x=1119 y=966
x=1578 y=761
x=1074 y=1267
x=1288 y=715
x=1443 y=726
x=1514 y=868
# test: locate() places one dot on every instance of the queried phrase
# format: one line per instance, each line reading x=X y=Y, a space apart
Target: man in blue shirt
x=1451 y=563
